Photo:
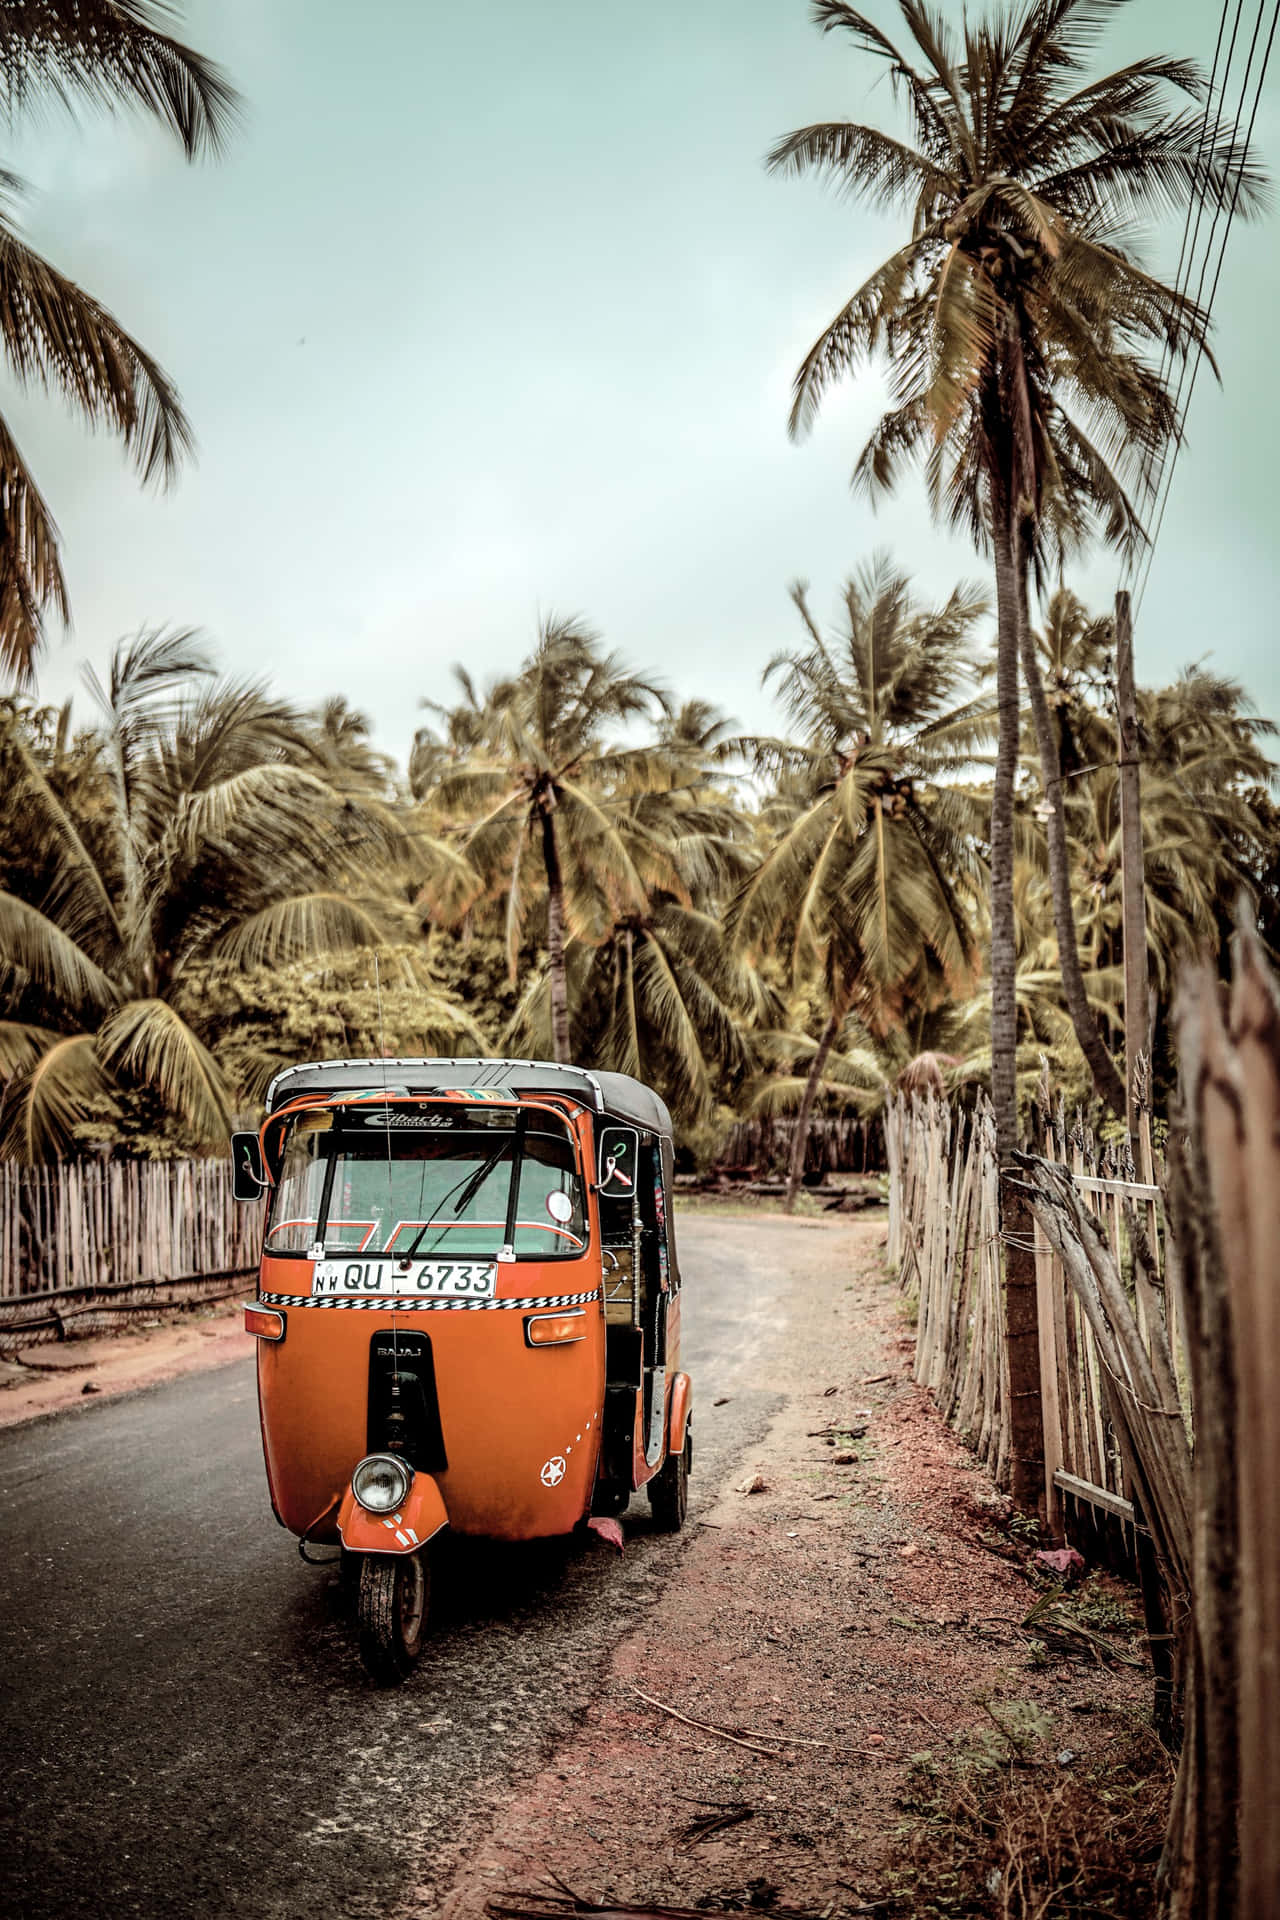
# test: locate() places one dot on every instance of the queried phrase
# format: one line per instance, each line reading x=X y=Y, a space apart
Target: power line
x=1222 y=191
x=1195 y=206
x=1191 y=366
x=1195 y=201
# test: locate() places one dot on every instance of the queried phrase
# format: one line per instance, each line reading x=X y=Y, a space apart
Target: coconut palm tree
x=194 y=826
x=52 y=333
x=1016 y=325
x=462 y=731
x=340 y=738
x=1074 y=648
x=664 y=997
x=874 y=868
x=657 y=991
x=544 y=795
x=1204 y=837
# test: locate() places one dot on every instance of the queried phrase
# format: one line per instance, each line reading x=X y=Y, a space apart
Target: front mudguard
x=418 y=1518
x=679 y=1411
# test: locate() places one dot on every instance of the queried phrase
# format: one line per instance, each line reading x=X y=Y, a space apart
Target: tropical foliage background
x=201 y=880
x=915 y=877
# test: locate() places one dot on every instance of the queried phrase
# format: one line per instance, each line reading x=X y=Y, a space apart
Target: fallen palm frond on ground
x=1056 y=1626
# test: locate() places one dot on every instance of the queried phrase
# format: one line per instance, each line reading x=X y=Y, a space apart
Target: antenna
x=386 y=1121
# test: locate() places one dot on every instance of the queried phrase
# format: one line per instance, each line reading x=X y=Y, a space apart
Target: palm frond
x=149 y=1041
x=41 y=1109
x=291 y=929
x=31 y=580
x=34 y=947
x=111 y=52
x=21 y=1046
x=55 y=334
x=863 y=160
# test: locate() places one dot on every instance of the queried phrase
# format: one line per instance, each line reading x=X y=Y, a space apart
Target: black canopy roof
x=616 y=1094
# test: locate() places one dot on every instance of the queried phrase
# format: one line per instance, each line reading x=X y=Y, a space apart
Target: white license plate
x=445 y=1279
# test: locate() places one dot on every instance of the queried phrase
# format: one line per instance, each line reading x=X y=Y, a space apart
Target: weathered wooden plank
x=1096 y=1496
x=1047 y=1284
x=1127 y=1189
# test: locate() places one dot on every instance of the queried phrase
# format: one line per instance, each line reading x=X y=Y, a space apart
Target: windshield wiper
x=469 y=1188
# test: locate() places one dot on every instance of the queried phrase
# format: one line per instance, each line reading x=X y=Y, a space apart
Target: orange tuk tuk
x=468 y=1314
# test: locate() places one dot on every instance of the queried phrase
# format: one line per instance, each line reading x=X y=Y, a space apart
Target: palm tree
x=463 y=730
x=1204 y=838
x=1044 y=1029
x=664 y=997
x=1014 y=322
x=1075 y=652
x=194 y=827
x=656 y=990
x=52 y=333
x=874 y=867
x=544 y=797
x=340 y=737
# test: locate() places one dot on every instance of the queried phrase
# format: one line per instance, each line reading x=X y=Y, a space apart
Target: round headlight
x=381 y=1482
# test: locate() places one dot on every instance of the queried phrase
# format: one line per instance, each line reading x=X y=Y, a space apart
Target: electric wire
x=1195 y=200
x=1215 y=102
x=1191 y=365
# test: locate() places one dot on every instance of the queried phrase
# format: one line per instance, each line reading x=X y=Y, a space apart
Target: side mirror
x=619 y=1152
x=248 y=1175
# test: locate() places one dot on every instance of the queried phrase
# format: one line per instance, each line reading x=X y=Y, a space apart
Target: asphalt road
x=185 y=1724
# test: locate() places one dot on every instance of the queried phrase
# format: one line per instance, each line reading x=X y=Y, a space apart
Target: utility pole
x=1132 y=882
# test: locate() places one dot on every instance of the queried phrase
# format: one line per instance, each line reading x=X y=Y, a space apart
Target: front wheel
x=391 y=1614
x=669 y=1488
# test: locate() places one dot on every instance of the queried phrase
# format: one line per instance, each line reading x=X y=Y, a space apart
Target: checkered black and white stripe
x=401 y=1303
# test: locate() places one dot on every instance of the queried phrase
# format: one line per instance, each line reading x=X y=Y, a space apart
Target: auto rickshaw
x=468 y=1314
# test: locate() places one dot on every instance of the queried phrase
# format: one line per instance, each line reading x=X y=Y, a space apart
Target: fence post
x=1047 y=1285
x=1133 y=902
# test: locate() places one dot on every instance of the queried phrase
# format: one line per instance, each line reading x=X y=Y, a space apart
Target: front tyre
x=669 y=1488
x=391 y=1614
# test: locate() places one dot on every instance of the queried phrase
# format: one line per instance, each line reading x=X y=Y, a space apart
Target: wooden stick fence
x=837 y=1144
x=80 y=1240
x=944 y=1240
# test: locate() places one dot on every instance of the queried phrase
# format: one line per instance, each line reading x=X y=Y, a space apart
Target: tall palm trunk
x=804 y=1118
x=1004 y=947
x=555 y=941
x=1107 y=1083
x=1022 y=1336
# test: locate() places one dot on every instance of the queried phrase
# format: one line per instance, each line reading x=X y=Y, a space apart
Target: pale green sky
x=493 y=308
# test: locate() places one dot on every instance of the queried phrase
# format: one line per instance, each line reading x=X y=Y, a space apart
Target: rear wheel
x=391 y=1614
x=669 y=1488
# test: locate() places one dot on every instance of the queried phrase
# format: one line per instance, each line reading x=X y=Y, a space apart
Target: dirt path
x=58 y=1375
x=847 y=1603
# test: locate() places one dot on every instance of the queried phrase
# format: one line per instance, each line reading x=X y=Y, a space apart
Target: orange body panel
x=419 y=1517
x=521 y=1424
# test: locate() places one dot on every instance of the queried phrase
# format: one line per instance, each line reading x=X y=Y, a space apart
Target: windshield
x=428 y=1181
